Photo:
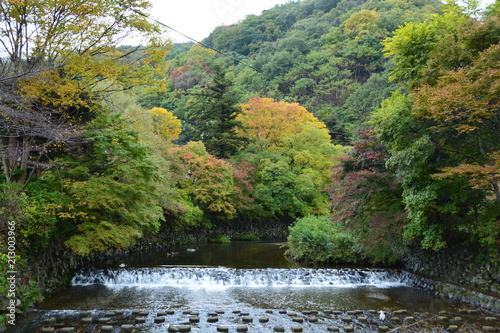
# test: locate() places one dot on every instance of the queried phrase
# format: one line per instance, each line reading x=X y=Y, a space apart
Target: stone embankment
x=458 y=274
x=465 y=295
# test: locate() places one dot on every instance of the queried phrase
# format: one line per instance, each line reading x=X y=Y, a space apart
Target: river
x=237 y=287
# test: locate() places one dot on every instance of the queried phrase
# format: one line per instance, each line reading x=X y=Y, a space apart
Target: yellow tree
x=269 y=122
x=361 y=23
x=58 y=58
x=165 y=123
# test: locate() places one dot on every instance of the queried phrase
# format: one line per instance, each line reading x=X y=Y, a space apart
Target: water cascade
x=221 y=278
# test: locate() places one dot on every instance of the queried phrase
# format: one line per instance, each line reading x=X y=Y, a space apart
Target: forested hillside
x=326 y=55
x=368 y=126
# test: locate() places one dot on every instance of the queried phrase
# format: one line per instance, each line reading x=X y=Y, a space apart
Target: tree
x=366 y=198
x=464 y=111
x=443 y=135
x=422 y=52
x=215 y=117
x=291 y=154
x=266 y=121
x=316 y=238
x=361 y=23
x=214 y=185
x=112 y=182
x=165 y=123
x=59 y=56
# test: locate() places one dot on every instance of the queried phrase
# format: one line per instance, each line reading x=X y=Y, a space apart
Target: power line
x=195 y=41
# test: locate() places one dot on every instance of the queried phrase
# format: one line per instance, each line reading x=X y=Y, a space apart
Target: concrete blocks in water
x=267 y=320
x=127 y=327
x=47 y=329
x=175 y=328
x=49 y=321
x=67 y=330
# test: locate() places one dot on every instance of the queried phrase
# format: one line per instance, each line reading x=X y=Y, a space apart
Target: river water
x=247 y=286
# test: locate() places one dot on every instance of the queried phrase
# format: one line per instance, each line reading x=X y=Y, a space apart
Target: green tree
x=291 y=154
x=317 y=238
x=443 y=135
x=215 y=117
x=112 y=181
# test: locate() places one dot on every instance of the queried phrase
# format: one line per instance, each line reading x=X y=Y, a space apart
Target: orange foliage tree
x=269 y=122
x=215 y=185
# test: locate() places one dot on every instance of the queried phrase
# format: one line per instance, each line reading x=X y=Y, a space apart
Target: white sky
x=197 y=18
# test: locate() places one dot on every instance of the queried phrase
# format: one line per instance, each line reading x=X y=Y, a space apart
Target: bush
x=317 y=238
x=221 y=239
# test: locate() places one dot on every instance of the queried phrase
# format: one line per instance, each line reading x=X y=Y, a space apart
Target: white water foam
x=224 y=278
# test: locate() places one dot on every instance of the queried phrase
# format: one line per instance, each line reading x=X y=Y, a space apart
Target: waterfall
x=221 y=277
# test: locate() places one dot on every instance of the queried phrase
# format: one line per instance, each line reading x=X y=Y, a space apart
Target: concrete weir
x=328 y=320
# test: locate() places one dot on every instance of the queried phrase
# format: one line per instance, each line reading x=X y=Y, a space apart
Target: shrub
x=221 y=239
x=317 y=238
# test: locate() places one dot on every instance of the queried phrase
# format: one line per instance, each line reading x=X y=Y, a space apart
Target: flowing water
x=231 y=287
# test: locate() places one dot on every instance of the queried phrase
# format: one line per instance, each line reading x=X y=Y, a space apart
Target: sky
x=197 y=18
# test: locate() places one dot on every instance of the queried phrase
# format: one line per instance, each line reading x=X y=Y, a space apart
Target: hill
x=326 y=55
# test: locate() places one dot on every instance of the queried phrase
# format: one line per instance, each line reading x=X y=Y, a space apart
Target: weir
x=247 y=287
x=221 y=277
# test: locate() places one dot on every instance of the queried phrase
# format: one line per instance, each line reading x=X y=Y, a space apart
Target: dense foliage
x=434 y=182
x=374 y=125
x=316 y=238
x=325 y=55
x=443 y=135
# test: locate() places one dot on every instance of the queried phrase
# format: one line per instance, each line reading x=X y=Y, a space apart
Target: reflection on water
x=233 y=255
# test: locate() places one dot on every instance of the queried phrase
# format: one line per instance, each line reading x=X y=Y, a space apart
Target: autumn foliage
x=214 y=184
x=269 y=122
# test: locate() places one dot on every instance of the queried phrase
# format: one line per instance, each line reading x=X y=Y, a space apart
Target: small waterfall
x=221 y=277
